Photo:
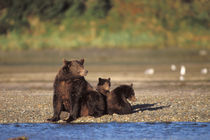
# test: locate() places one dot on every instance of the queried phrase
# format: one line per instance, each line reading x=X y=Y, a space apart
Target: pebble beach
x=157 y=101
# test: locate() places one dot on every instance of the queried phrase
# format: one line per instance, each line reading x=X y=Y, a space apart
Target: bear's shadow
x=150 y=107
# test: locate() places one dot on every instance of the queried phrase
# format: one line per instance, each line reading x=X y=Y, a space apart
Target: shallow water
x=107 y=131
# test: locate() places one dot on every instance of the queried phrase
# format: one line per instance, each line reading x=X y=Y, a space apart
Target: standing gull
x=182 y=73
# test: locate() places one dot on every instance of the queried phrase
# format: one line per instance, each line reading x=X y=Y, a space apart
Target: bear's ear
x=132 y=85
x=99 y=79
x=109 y=82
x=69 y=63
x=64 y=61
x=82 y=61
x=65 y=69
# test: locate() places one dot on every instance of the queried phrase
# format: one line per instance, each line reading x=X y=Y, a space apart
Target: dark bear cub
x=69 y=87
x=93 y=103
x=117 y=100
x=103 y=86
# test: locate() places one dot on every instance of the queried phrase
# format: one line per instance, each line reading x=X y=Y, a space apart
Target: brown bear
x=116 y=99
x=93 y=103
x=72 y=93
x=69 y=85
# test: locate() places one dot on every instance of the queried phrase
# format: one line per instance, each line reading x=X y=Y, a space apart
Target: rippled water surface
x=107 y=131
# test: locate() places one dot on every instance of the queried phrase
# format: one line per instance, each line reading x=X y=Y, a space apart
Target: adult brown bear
x=68 y=84
x=72 y=93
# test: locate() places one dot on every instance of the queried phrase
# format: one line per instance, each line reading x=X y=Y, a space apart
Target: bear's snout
x=133 y=98
x=83 y=72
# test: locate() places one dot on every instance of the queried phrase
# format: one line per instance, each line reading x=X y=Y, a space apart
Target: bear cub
x=93 y=104
x=103 y=86
x=117 y=99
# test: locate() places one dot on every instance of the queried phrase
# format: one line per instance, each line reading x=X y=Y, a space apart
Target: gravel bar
x=156 y=102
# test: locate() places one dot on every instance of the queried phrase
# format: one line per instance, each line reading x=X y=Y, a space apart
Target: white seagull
x=149 y=71
x=204 y=71
x=181 y=78
x=182 y=70
x=182 y=73
x=202 y=52
x=173 y=67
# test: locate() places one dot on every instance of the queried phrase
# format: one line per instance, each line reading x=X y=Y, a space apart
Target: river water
x=107 y=131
